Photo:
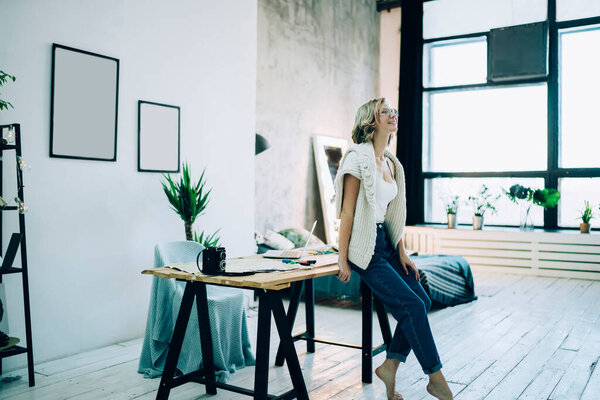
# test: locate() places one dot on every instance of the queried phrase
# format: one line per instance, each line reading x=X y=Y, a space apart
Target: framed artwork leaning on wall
x=328 y=155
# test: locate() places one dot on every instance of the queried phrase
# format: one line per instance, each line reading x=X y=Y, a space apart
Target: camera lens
x=222 y=255
x=222 y=265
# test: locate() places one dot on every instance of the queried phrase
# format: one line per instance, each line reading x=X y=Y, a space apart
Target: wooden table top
x=326 y=265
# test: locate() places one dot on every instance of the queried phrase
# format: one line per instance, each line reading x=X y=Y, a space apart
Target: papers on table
x=190 y=268
x=239 y=265
x=259 y=265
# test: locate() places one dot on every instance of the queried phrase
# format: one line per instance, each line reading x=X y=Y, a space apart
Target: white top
x=384 y=193
x=359 y=161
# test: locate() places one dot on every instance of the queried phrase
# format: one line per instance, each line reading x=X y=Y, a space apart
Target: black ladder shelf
x=12 y=351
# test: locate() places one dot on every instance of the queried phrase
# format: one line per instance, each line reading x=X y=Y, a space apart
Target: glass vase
x=526 y=220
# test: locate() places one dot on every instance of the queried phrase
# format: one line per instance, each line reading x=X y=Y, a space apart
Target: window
x=579 y=88
x=438 y=190
x=455 y=62
x=574 y=191
x=443 y=18
x=576 y=9
x=471 y=131
x=537 y=132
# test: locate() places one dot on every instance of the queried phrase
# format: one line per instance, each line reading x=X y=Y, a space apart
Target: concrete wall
x=318 y=61
x=92 y=226
x=389 y=59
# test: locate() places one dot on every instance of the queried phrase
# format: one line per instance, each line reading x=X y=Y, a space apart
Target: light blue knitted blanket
x=227 y=313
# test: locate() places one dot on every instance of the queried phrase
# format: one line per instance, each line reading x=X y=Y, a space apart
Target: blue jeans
x=404 y=297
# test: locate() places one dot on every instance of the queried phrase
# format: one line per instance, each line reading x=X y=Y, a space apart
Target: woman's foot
x=387 y=373
x=438 y=387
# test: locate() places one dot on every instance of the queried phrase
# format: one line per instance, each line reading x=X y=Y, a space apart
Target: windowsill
x=469 y=227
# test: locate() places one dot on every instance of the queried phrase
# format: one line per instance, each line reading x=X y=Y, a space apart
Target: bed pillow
x=276 y=241
x=298 y=237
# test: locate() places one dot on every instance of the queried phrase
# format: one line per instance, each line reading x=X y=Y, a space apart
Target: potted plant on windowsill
x=526 y=197
x=482 y=202
x=451 y=210
x=586 y=215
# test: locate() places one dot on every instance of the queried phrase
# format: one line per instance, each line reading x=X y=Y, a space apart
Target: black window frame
x=416 y=177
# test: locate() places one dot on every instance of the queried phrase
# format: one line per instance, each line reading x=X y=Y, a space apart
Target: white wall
x=92 y=225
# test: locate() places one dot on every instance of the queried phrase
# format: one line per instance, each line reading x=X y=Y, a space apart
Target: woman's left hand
x=408 y=264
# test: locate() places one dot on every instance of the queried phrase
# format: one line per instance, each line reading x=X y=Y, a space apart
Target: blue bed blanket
x=448 y=280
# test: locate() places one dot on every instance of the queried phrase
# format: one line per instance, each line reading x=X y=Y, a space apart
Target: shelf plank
x=13 y=351
x=10 y=270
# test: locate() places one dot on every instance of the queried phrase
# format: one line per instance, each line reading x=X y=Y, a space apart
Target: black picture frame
x=83 y=111
x=157 y=123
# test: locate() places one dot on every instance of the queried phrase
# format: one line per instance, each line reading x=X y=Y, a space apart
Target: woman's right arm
x=350 y=193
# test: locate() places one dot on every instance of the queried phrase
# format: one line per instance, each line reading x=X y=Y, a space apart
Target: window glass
x=455 y=62
x=580 y=85
x=456 y=17
x=438 y=190
x=576 y=9
x=573 y=193
x=491 y=129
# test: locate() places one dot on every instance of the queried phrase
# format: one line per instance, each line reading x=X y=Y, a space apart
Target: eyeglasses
x=389 y=112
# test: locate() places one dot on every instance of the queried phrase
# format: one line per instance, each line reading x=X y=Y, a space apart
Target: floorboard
x=524 y=338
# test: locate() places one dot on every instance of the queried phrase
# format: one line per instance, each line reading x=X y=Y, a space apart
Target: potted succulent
x=482 y=202
x=208 y=240
x=586 y=216
x=188 y=199
x=451 y=210
x=527 y=197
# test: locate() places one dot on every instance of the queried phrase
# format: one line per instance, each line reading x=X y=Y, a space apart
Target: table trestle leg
x=205 y=338
x=166 y=382
x=295 y=292
x=285 y=336
x=261 y=376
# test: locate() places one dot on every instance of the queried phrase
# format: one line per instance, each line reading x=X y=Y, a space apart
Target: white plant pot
x=477 y=222
x=451 y=221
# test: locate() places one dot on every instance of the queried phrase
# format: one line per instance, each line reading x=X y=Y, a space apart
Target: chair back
x=180 y=252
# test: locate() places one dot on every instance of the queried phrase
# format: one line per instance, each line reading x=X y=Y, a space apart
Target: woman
x=371 y=203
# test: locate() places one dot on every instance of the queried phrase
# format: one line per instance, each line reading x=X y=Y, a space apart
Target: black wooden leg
x=291 y=316
x=285 y=335
x=261 y=373
x=175 y=347
x=367 y=333
x=205 y=338
x=384 y=322
x=309 y=300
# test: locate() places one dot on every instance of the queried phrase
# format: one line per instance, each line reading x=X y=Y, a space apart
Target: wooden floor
x=524 y=338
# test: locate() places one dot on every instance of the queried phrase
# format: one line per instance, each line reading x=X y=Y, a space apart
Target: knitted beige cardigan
x=359 y=161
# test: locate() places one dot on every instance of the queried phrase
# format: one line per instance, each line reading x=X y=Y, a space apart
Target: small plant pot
x=584 y=228
x=451 y=221
x=477 y=222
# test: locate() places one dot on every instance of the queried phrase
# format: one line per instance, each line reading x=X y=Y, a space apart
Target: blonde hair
x=365 y=121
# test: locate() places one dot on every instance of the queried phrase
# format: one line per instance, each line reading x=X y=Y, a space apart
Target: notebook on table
x=292 y=254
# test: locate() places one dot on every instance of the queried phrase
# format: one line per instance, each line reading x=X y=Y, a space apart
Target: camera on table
x=213 y=260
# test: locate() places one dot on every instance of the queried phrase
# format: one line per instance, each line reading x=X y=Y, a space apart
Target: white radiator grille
x=568 y=254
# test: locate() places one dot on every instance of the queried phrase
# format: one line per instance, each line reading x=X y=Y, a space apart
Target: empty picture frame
x=84 y=103
x=158 y=137
x=328 y=155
